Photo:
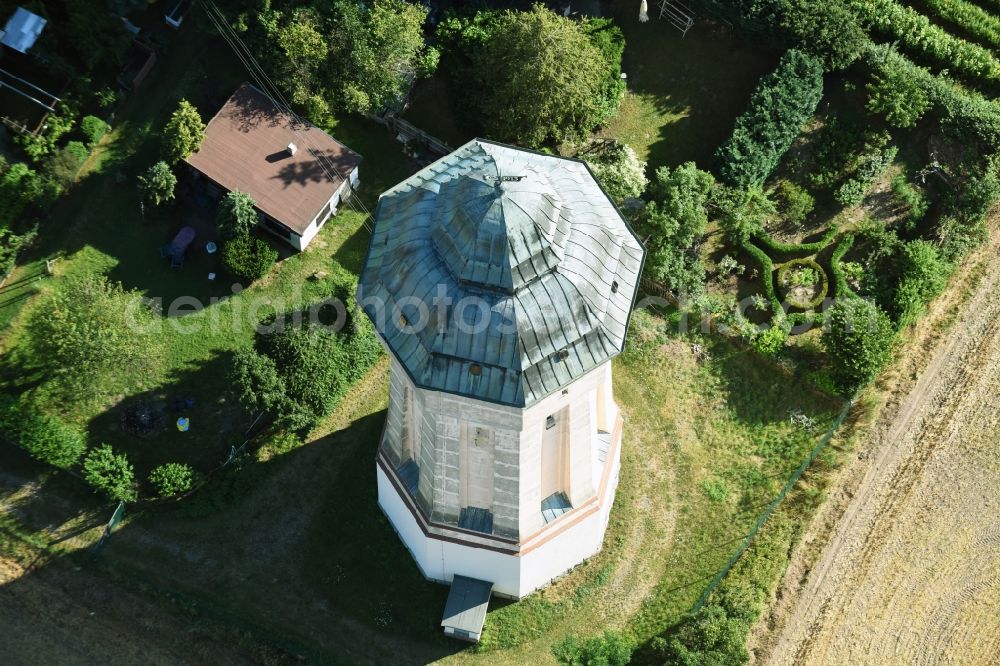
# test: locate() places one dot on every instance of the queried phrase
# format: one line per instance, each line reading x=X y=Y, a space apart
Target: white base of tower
x=515 y=568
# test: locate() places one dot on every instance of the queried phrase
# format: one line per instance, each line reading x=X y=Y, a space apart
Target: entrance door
x=478 y=468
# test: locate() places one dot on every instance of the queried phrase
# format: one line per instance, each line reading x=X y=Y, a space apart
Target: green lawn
x=684 y=93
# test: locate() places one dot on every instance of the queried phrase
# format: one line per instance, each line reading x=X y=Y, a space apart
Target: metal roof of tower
x=500 y=274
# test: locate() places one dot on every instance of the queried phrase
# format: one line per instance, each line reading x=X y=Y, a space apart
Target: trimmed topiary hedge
x=794 y=250
x=840 y=287
x=783 y=275
x=766 y=274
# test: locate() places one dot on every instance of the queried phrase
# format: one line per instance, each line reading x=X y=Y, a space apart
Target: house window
x=324 y=215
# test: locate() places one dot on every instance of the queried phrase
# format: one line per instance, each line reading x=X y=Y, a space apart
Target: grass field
x=293 y=547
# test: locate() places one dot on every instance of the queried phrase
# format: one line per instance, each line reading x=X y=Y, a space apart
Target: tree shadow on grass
x=704 y=77
x=199 y=393
x=298 y=541
x=759 y=392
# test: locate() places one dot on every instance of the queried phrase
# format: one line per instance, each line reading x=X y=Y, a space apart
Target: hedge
x=916 y=32
x=840 y=287
x=793 y=250
x=804 y=263
x=43 y=436
x=971 y=18
x=766 y=274
x=780 y=104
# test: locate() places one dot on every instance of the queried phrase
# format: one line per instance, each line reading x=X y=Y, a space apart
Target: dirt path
x=911 y=571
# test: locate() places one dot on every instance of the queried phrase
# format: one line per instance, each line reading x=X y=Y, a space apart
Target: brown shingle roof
x=245 y=149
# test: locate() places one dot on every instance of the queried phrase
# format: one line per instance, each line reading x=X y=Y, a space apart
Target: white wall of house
x=301 y=241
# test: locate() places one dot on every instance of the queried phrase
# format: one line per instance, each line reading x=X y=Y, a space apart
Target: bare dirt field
x=902 y=566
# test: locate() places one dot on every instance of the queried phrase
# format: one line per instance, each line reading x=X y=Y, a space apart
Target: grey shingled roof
x=549 y=255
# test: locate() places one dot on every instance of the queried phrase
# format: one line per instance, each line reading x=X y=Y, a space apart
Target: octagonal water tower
x=501 y=282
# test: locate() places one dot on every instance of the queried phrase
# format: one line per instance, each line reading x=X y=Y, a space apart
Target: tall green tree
x=342 y=55
x=87 y=331
x=674 y=223
x=541 y=79
x=157 y=184
x=183 y=134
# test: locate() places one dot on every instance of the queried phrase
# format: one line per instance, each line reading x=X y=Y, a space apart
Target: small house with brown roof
x=297 y=173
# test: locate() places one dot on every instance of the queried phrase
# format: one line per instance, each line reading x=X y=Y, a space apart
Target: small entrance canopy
x=22 y=30
x=465 y=611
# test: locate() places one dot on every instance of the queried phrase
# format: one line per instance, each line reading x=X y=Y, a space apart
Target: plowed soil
x=902 y=566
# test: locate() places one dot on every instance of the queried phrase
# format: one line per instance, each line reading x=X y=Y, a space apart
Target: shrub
x=94 y=129
x=913 y=198
x=43 y=436
x=65 y=165
x=611 y=649
x=618 y=169
x=859 y=341
x=794 y=202
x=183 y=133
x=110 y=473
x=300 y=373
x=898 y=96
x=870 y=168
x=922 y=276
x=835 y=153
x=771 y=340
x=675 y=221
x=742 y=213
x=801 y=273
x=45 y=142
x=780 y=104
x=20 y=186
x=171 y=479
x=710 y=636
x=158 y=183
x=236 y=215
x=248 y=257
